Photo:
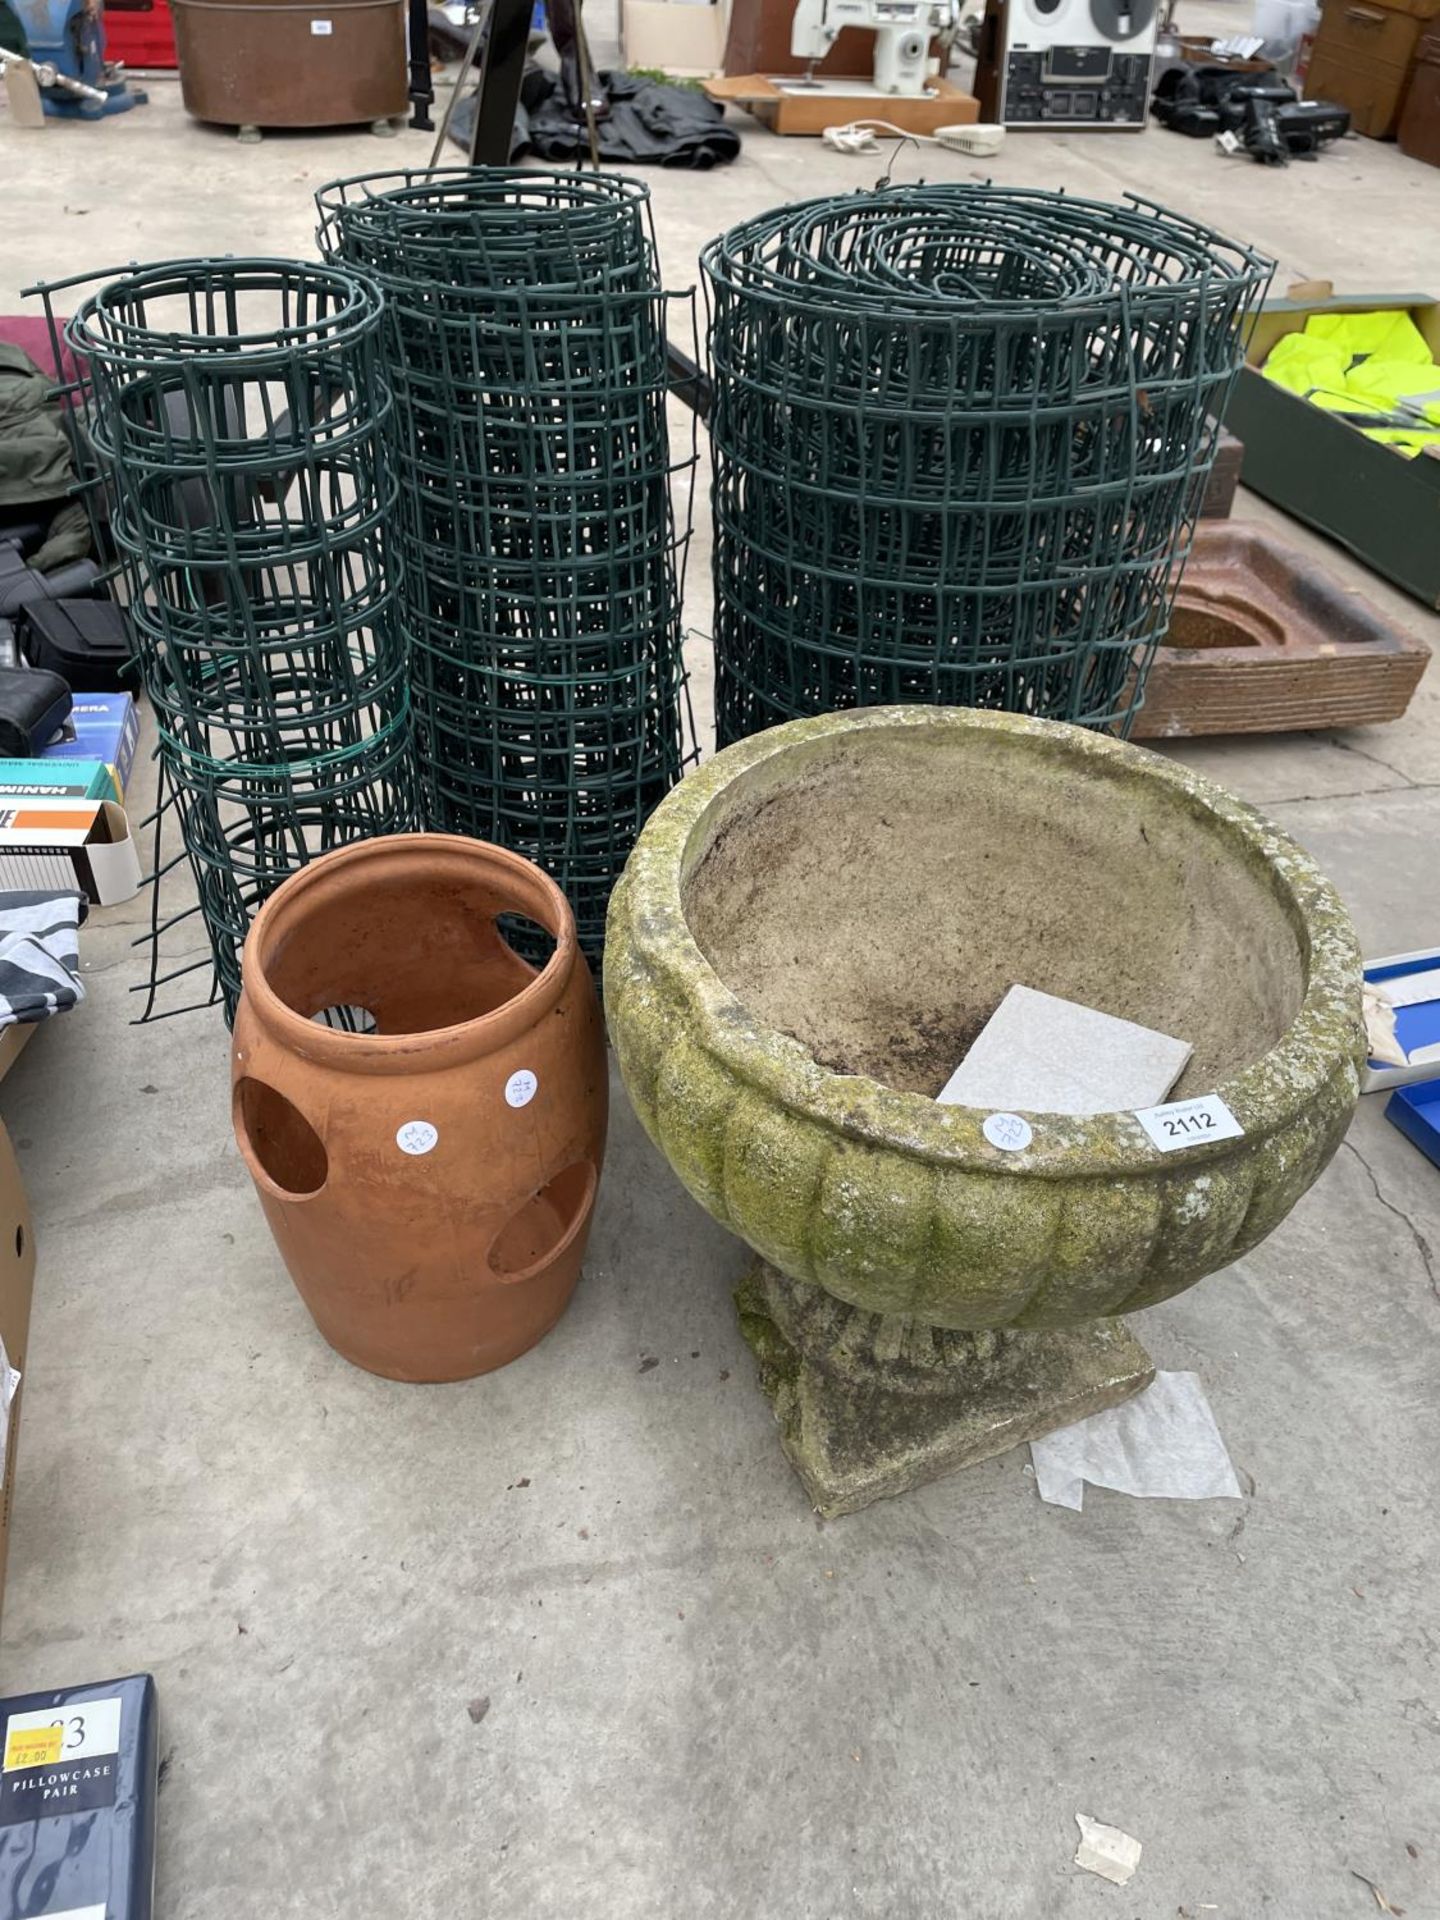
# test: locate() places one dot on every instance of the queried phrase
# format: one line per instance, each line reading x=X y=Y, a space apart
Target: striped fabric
x=39 y=955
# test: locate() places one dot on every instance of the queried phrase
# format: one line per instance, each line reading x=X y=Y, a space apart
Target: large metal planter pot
x=814 y=925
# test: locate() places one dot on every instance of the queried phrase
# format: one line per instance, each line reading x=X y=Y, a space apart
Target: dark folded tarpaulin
x=645 y=120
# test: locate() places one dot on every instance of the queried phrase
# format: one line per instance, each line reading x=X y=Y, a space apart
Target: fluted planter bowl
x=815 y=924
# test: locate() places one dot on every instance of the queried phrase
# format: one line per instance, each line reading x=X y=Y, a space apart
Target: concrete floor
x=704 y=1702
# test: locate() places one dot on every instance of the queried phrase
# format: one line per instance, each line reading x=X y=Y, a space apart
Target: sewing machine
x=903 y=31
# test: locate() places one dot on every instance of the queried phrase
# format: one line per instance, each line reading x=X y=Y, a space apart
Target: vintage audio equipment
x=1078 y=63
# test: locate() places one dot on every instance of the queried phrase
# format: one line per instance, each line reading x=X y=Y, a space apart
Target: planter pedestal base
x=871 y=1404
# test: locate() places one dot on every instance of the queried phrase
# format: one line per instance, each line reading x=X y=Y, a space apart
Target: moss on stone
x=903 y=1207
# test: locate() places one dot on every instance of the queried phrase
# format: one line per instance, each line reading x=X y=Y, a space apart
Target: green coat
x=35 y=465
x=34 y=448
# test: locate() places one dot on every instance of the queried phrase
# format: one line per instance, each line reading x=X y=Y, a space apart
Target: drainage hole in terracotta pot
x=1221 y=624
x=528 y=938
x=289 y=1151
x=343 y=1019
x=534 y=1234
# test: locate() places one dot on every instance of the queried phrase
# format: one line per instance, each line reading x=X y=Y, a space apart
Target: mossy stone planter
x=814 y=925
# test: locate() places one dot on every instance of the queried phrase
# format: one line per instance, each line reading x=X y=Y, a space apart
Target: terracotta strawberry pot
x=422 y=1110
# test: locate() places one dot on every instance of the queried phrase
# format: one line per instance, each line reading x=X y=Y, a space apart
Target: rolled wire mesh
x=235 y=410
x=960 y=434
x=543 y=557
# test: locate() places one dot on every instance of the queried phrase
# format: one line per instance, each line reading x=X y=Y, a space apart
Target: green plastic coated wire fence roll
x=526 y=345
x=960 y=435
x=237 y=411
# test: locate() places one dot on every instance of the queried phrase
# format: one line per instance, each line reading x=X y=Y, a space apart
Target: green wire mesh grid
x=543 y=558
x=960 y=434
x=234 y=412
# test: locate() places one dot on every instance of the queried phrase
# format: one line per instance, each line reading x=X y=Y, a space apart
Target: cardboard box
x=1198 y=50
x=69 y=780
x=17 y=1280
x=65 y=843
x=945 y=105
x=12 y=1042
x=102 y=726
x=684 y=37
x=1383 y=507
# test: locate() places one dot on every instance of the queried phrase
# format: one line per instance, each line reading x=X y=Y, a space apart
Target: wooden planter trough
x=1262 y=640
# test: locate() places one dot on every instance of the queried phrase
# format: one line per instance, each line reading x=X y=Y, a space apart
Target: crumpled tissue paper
x=1108 y=1851
x=1162 y=1445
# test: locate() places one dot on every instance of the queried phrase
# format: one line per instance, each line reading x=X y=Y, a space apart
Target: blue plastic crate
x=1416 y=1026
x=1415 y=1110
x=1414 y=1105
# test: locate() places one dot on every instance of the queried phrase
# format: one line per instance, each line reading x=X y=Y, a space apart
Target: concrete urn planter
x=810 y=932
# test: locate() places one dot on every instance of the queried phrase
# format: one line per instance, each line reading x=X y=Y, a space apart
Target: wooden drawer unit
x=1362 y=58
